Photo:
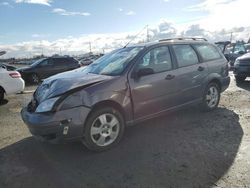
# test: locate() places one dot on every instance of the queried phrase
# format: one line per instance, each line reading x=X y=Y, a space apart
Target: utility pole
x=231 y=37
x=41 y=47
x=147 y=34
x=90 y=50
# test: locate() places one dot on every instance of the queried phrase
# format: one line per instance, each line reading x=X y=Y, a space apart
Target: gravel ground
x=183 y=149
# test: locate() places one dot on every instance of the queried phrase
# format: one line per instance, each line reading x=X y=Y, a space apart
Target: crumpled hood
x=64 y=82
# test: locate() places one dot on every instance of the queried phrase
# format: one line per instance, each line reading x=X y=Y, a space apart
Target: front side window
x=37 y=62
x=185 y=55
x=158 y=59
x=207 y=52
x=44 y=63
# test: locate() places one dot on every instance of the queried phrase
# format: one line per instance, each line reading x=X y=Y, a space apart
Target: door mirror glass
x=145 y=71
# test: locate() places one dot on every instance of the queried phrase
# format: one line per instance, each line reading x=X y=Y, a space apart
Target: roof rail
x=184 y=38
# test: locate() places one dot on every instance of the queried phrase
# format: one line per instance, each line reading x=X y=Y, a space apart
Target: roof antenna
x=135 y=36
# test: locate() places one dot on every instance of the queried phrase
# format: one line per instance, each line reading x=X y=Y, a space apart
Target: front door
x=45 y=69
x=156 y=92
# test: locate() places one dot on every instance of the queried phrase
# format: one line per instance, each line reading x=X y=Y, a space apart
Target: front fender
x=121 y=99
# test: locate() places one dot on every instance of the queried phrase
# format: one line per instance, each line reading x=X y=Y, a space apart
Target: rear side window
x=60 y=61
x=158 y=59
x=185 y=55
x=207 y=52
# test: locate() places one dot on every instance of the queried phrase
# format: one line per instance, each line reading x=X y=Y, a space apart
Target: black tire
x=240 y=79
x=1 y=94
x=35 y=78
x=90 y=140
x=207 y=104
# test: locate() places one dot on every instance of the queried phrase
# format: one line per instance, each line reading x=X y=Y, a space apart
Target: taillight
x=15 y=75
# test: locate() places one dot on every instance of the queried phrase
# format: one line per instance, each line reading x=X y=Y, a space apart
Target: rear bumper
x=225 y=83
x=17 y=85
x=56 y=127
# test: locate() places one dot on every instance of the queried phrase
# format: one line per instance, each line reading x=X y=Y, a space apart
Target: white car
x=10 y=82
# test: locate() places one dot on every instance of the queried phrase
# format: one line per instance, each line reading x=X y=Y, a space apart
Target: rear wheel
x=211 y=97
x=240 y=78
x=1 y=94
x=34 y=78
x=104 y=129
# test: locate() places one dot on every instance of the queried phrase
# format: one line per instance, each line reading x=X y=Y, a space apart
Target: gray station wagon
x=94 y=104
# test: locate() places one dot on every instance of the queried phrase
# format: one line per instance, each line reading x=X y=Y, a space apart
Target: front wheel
x=211 y=97
x=104 y=128
x=34 y=78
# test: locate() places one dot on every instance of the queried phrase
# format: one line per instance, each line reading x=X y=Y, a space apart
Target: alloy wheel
x=35 y=78
x=105 y=129
x=212 y=97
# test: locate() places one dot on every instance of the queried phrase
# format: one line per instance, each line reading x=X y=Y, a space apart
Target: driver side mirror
x=144 y=72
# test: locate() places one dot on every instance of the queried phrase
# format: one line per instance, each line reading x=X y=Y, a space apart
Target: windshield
x=239 y=47
x=247 y=46
x=114 y=63
x=37 y=62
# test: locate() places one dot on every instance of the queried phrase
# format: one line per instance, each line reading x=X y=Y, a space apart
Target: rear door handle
x=170 y=77
x=200 y=68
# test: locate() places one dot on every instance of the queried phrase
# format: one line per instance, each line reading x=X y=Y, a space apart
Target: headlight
x=47 y=105
x=237 y=62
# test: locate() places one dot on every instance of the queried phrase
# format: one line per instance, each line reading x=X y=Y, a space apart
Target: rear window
x=207 y=52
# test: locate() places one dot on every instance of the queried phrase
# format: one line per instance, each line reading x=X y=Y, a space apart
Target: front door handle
x=200 y=68
x=170 y=77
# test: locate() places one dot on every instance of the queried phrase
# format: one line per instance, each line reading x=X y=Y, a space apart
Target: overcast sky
x=29 y=27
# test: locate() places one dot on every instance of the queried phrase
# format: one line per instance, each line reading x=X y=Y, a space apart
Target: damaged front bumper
x=57 y=126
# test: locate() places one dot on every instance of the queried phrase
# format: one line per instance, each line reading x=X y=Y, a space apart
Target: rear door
x=154 y=93
x=191 y=73
x=60 y=65
x=72 y=64
x=210 y=55
x=44 y=69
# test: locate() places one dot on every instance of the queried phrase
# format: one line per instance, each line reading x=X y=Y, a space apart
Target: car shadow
x=183 y=149
x=244 y=85
x=31 y=84
x=3 y=102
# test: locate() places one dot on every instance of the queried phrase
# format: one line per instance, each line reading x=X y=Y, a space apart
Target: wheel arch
x=216 y=81
x=109 y=103
x=1 y=88
x=213 y=78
